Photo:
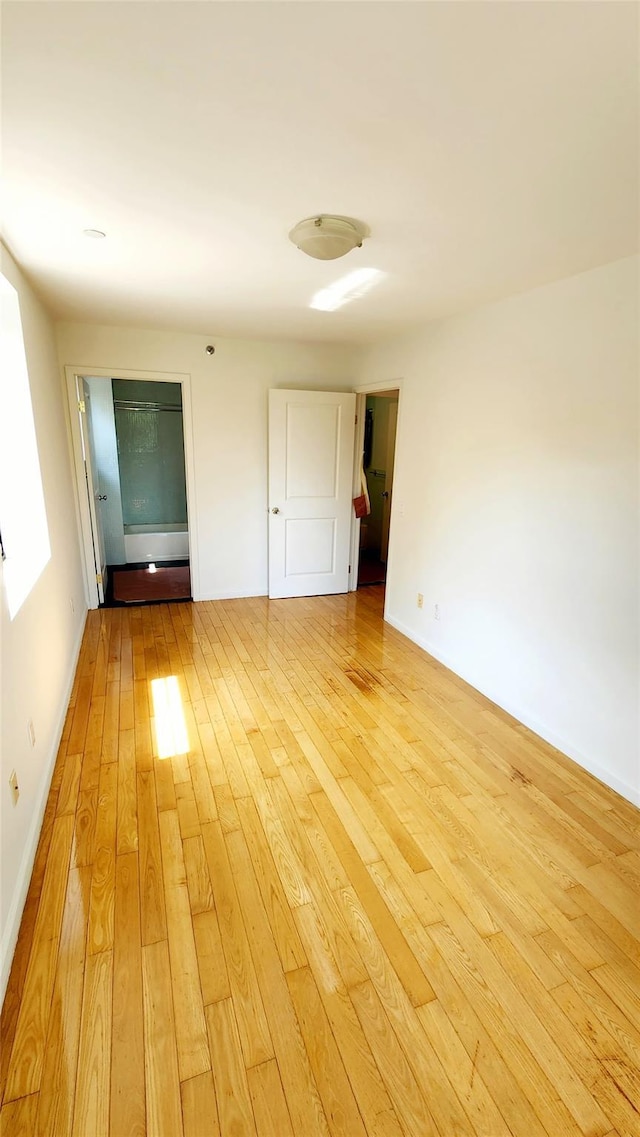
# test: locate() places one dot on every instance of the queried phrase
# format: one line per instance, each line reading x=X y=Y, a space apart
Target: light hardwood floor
x=365 y=902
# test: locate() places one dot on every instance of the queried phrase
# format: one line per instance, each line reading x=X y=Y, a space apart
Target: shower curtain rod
x=121 y=405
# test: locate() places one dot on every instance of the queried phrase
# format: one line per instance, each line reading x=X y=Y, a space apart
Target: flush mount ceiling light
x=95 y=234
x=326 y=237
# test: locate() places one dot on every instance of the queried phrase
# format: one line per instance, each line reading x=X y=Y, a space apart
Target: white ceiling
x=490 y=147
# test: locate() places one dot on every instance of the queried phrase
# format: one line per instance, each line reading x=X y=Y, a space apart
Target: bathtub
x=162 y=542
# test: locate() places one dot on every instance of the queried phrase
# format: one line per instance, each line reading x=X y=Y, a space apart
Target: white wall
x=517 y=466
x=39 y=646
x=229 y=404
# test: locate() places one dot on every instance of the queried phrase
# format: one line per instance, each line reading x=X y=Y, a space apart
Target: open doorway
x=133 y=461
x=378 y=454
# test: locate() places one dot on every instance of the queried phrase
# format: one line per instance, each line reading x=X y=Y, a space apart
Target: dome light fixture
x=95 y=234
x=326 y=237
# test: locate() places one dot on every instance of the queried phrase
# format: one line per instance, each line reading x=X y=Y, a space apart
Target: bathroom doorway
x=132 y=440
x=380 y=427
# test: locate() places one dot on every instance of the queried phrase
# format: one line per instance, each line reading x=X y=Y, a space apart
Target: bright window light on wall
x=349 y=287
x=23 y=518
x=170 y=726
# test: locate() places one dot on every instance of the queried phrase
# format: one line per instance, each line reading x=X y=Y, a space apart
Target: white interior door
x=311 y=437
x=94 y=493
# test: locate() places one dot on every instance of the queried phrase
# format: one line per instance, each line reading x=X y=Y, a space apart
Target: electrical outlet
x=436 y=611
x=31 y=732
x=13 y=784
x=420 y=600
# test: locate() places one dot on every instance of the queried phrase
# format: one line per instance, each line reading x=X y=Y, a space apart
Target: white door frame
x=378 y=388
x=72 y=372
x=92 y=481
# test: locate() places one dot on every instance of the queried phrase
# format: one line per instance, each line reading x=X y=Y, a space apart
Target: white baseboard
x=12 y=927
x=251 y=594
x=625 y=789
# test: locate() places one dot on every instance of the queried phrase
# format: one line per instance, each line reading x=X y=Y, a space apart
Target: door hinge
x=356 y=420
x=98 y=578
x=349 y=568
x=81 y=407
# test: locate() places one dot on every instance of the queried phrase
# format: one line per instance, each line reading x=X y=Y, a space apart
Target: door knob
x=385 y=493
x=102 y=497
x=275 y=509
